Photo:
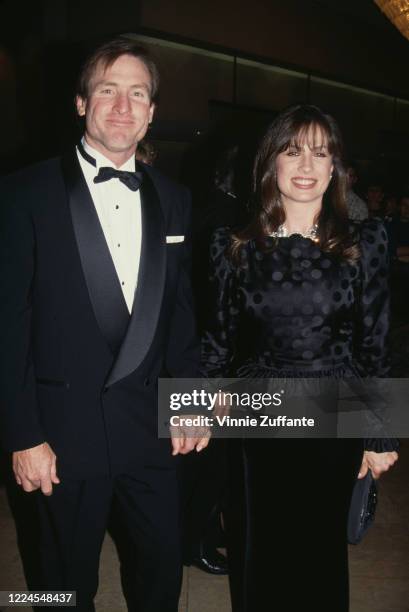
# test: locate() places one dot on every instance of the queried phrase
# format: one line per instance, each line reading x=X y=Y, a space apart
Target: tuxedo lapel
x=150 y=286
x=99 y=271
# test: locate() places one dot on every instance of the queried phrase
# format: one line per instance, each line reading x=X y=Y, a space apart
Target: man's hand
x=187 y=437
x=35 y=468
x=377 y=463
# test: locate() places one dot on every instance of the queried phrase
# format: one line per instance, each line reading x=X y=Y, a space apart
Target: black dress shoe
x=212 y=562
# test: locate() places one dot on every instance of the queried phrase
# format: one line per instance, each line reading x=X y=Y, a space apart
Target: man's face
x=118 y=109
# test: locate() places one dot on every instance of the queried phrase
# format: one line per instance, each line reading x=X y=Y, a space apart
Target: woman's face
x=304 y=170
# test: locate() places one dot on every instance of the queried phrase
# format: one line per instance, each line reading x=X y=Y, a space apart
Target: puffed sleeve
x=373 y=312
x=218 y=343
x=371 y=339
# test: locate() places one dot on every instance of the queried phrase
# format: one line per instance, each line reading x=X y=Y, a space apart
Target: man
x=375 y=194
x=357 y=209
x=95 y=306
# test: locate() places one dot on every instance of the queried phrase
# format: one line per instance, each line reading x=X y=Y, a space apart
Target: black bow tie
x=132 y=180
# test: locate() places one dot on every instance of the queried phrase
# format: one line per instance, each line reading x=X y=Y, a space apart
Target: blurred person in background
x=357 y=209
x=391 y=208
x=146 y=152
x=375 y=194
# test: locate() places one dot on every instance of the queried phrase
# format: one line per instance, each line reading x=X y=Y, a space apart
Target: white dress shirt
x=119 y=213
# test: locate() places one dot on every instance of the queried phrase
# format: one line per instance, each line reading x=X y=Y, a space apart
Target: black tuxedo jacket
x=76 y=369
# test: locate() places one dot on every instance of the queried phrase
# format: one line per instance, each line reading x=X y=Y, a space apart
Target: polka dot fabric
x=294 y=310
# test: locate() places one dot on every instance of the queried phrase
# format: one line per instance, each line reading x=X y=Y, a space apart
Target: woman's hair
x=291 y=128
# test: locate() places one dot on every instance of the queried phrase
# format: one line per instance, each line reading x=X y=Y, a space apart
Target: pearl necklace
x=282 y=232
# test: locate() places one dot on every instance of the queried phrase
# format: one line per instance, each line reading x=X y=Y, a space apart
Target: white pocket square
x=173 y=239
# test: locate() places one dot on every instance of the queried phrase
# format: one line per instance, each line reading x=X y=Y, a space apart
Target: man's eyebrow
x=103 y=83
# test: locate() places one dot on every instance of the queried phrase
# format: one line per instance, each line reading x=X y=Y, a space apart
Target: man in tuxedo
x=95 y=305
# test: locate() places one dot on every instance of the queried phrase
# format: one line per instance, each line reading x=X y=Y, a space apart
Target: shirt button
x=122 y=283
x=117 y=207
x=119 y=245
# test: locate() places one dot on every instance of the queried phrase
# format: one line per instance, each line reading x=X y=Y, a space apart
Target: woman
x=301 y=292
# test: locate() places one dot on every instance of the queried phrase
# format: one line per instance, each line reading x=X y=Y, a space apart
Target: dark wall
x=299 y=33
x=42 y=46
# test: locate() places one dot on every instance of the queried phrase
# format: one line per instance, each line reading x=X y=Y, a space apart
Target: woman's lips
x=303 y=182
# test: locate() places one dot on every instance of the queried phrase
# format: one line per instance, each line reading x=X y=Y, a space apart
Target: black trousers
x=73 y=525
x=203 y=485
x=286 y=523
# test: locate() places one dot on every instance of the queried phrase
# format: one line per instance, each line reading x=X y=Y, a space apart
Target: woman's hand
x=377 y=463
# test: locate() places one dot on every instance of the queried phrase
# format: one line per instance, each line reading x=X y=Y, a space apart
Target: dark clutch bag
x=362 y=509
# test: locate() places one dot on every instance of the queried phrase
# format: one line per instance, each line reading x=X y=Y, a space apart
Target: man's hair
x=105 y=55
